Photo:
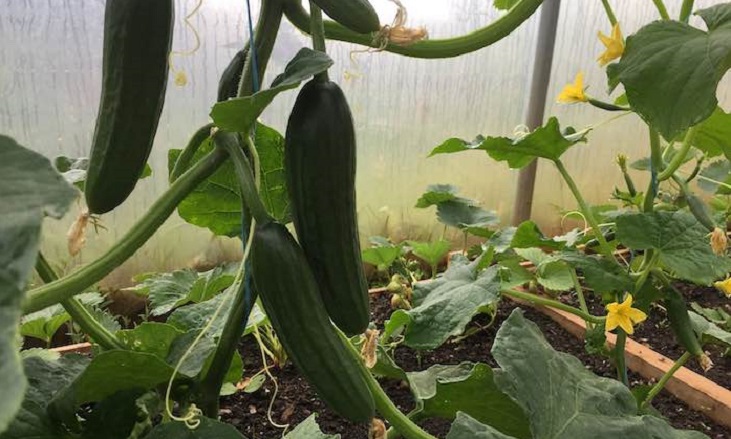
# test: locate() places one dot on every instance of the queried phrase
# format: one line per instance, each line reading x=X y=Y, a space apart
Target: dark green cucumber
x=137 y=38
x=319 y=164
x=700 y=211
x=292 y=302
x=682 y=328
x=228 y=84
x=357 y=15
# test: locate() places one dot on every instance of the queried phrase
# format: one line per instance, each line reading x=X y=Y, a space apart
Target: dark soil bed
x=296 y=401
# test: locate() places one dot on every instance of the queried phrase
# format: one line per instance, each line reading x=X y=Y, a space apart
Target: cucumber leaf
x=561 y=398
x=466 y=427
x=670 y=70
x=239 y=114
x=30 y=188
x=680 y=240
x=308 y=429
x=714 y=134
x=547 y=142
x=443 y=307
x=443 y=391
x=207 y=429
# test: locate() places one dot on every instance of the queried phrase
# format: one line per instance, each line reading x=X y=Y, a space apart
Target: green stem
x=317 y=31
x=579 y=292
x=210 y=386
x=620 y=358
x=229 y=142
x=661 y=9
x=400 y=422
x=686 y=10
x=78 y=311
x=186 y=155
x=679 y=157
x=656 y=165
x=538 y=300
x=665 y=378
x=265 y=35
x=610 y=14
x=430 y=48
x=648 y=263
x=138 y=234
x=588 y=214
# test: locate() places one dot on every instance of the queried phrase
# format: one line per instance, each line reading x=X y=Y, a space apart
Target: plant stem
x=229 y=142
x=400 y=422
x=186 y=155
x=579 y=293
x=648 y=263
x=265 y=35
x=138 y=234
x=679 y=157
x=685 y=10
x=538 y=300
x=430 y=48
x=588 y=214
x=656 y=165
x=661 y=9
x=317 y=31
x=680 y=362
x=610 y=14
x=78 y=311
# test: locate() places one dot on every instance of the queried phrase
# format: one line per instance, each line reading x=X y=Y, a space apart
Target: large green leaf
x=239 y=114
x=600 y=274
x=561 y=397
x=713 y=135
x=681 y=241
x=208 y=429
x=443 y=307
x=29 y=189
x=457 y=211
x=171 y=290
x=308 y=429
x=46 y=377
x=43 y=324
x=529 y=235
x=151 y=337
x=216 y=202
x=465 y=427
x=432 y=252
x=709 y=332
x=112 y=371
x=116 y=417
x=442 y=391
x=671 y=70
x=716 y=177
x=547 y=142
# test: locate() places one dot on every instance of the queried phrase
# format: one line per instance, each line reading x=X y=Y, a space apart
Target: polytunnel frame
x=535 y=110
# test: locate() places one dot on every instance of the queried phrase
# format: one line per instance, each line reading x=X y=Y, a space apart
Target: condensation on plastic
x=50 y=77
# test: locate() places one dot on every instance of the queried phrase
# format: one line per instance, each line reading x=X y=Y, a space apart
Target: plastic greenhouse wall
x=50 y=79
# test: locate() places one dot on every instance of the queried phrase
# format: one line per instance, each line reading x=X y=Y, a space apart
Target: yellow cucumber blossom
x=574 y=92
x=614 y=46
x=724 y=286
x=623 y=315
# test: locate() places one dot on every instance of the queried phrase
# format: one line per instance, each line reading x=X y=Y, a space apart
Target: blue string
x=248 y=294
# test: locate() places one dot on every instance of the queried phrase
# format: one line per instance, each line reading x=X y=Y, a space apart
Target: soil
x=295 y=400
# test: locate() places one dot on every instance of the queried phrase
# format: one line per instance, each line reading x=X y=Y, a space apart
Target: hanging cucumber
x=357 y=15
x=137 y=38
x=294 y=307
x=682 y=327
x=319 y=164
x=228 y=84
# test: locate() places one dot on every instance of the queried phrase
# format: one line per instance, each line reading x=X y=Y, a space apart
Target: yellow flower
x=574 y=92
x=724 y=286
x=623 y=315
x=614 y=46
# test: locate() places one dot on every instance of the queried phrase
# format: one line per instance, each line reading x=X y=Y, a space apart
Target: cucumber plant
x=161 y=380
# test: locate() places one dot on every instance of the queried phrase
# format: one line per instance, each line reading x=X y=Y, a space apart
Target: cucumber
x=682 y=328
x=357 y=15
x=320 y=165
x=137 y=38
x=700 y=211
x=292 y=302
x=228 y=85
